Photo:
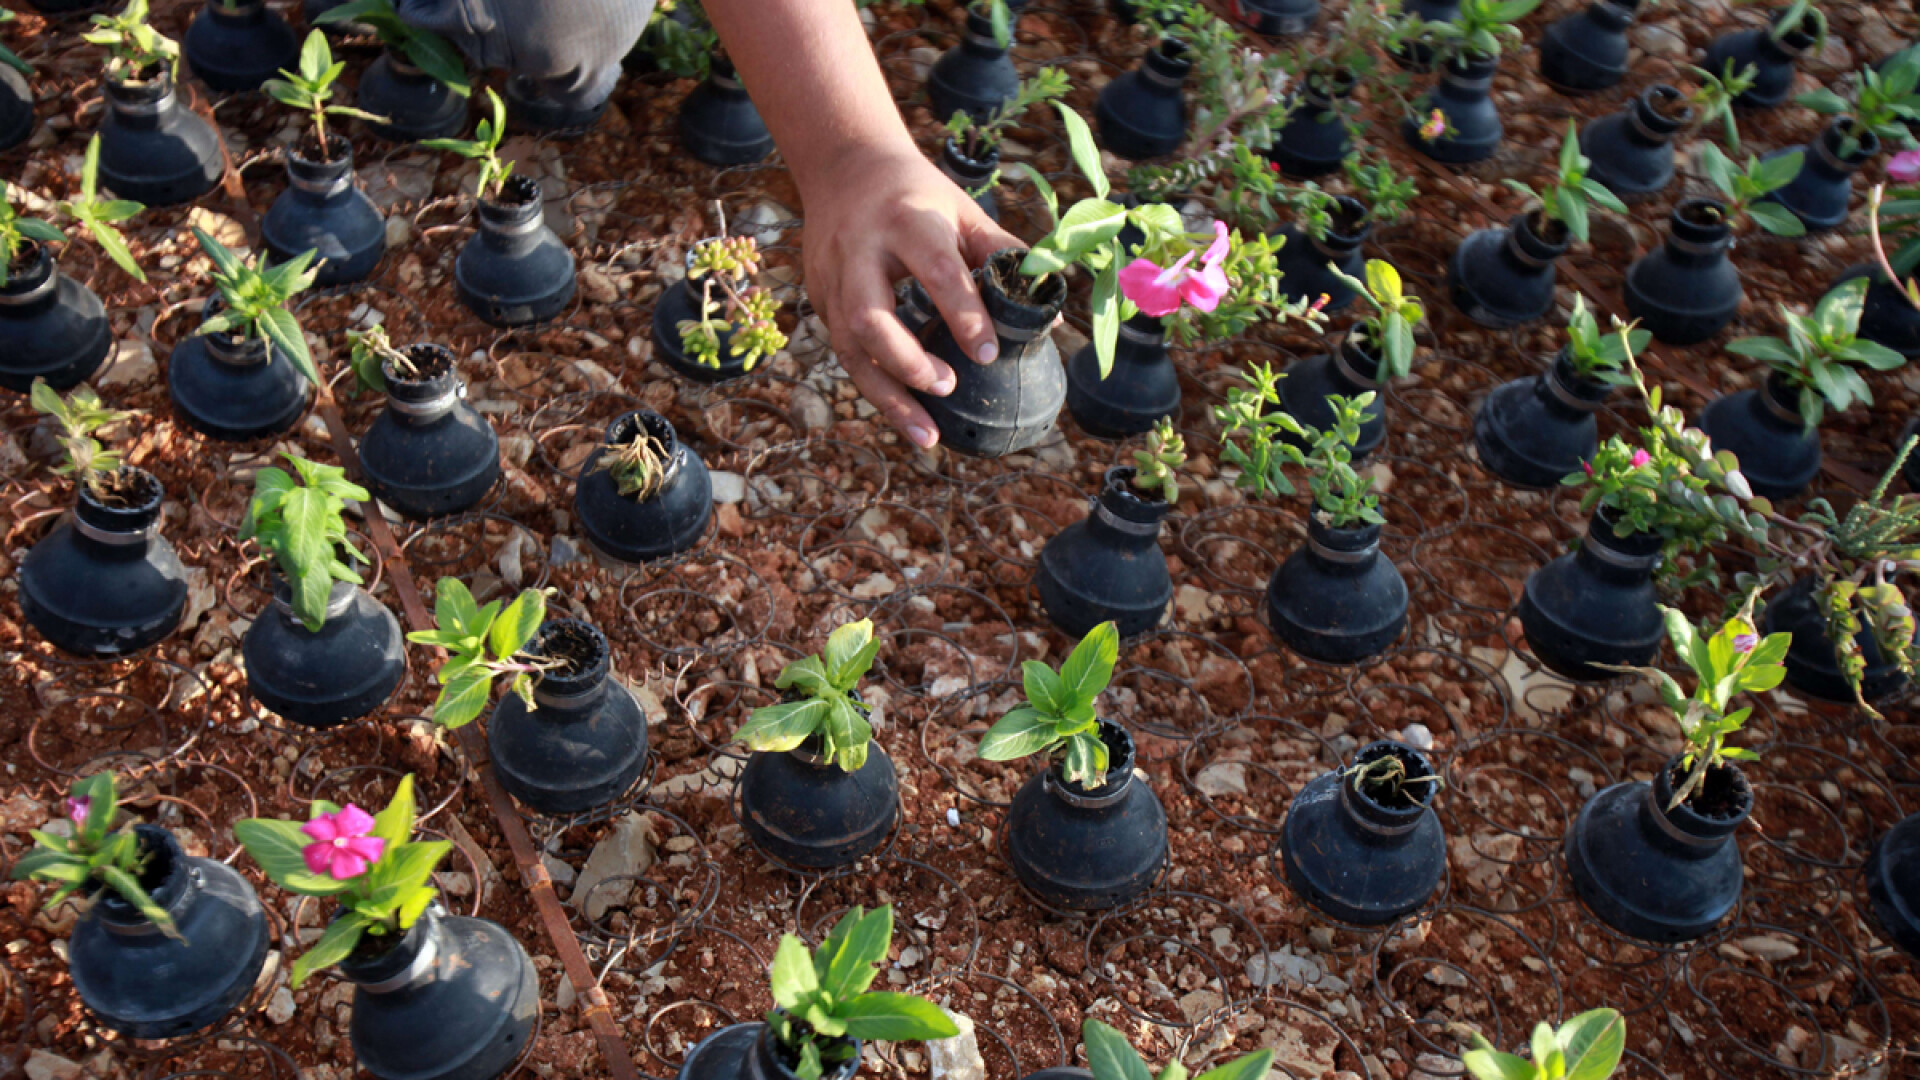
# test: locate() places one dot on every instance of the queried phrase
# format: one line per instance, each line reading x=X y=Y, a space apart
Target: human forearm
x=811 y=72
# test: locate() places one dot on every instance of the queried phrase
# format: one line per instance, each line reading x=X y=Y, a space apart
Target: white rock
x=1417 y=736
x=811 y=410
x=1192 y=604
x=42 y=1065
x=280 y=1005
x=627 y=851
x=877 y=584
x=957 y=1058
x=1222 y=778
x=728 y=487
x=134 y=364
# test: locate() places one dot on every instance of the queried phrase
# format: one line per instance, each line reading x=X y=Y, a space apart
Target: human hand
x=873 y=219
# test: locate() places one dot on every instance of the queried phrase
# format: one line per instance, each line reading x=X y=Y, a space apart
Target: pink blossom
x=1435 y=126
x=1587 y=465
x=341 y=848
x=1744 y=643
x=1905 y=167
x=1321 y=303
x=1641 y=457
x=78 y=809
x=1158 y=292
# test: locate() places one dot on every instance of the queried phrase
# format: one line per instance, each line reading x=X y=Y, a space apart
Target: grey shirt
x=571 y=49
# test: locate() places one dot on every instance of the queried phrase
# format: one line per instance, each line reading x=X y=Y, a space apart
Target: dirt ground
x=836 y=518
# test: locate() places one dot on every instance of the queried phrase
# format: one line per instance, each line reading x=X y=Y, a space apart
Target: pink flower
x=1158 y=292
x=78 y=809
x=1587 y=465
x=1321 y=303
x=1435 y=126
x=1744 y=643
x=341 y=848
x=1641 y=457
x=1905 y=167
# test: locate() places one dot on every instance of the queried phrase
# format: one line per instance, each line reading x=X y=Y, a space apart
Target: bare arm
x=876 y=209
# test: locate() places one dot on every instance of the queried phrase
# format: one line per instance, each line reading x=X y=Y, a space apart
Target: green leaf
x=1088 y=224
x=847 y=734
x=1383 y=283
x=1772 y=350
x=846 y=657
x=1254 y=1066
x=516 y=626
x=401 y=872
x=807 y=673
x=892 y=1017
x=129 y=889
x=1488 y=1064
x=1822 y=101
x=792 y=980
x=1593 y=1043
x=1002 y=22
x=395 y=823
x=1045 y=691
x=225 y=262
x=1090 y=667
x=776 y=729
x=1086 y=156
x=1105 y=306
x=1776 y=172
x=276 y=846
x=858 y=944
x=454 y=608
x=1109 y=1055
x=463 y=698
x=440 y=60
x=335 y=945
x=280 y=327
x=1021 y=732
x=1086 y=762
x=1572 y=211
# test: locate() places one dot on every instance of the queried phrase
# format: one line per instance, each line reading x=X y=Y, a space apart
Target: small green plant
x=681 y=39
x=370 y=348
x=1725 y=661
x=1565 y=199
x=424 y=49
x=822 y=690
x=311 y=89
x=135 y=51
x=80 y=415
x=1801 y=15
x=1269 y=440
x=1395 y=313
x=482 y=643
x=1744 y=188
x=97 y=214
x=8 y=56
x=1854 y=559
x=639 y=465
x=1587 y=1047
x=744 y=314
x=979 y=138
x=821 y=1001
x=484 y=147
x=1881 y=101
x=1599 y=357
x=1156 y=469
x=92 y=852
x=1821 y=350
x=1111 y=1057
x=301 y=525
x=256 y=301
x=1387 y=193
x=369 y=863
x=1479 y=31
x=1714 y=98
x=1237 y=96
x=1058 y=718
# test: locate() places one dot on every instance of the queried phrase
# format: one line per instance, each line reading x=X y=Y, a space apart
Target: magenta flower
x=1641 y=457
x=1587 y=465
x=1744 y=643
x=1321 y=303
x=1435 y=126
x=78 y=809
x=1158 y=292
x=1905 y=167
x=341 y=848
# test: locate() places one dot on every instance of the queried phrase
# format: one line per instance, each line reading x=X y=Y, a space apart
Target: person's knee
x=572 y=48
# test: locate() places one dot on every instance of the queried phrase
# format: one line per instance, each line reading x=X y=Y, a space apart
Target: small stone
x=42 y=1065
x=597 y=287
x=1659 y=40
x=131 y=366
x=1197 y=1004
x=558 y=870
x=399 y=232
x=1417 y=736
x=1769 y=947
x=626 y=852
x=1192 y=604
x=220 y=227
x=1222 y=778
x=877 y=584
x=280 y=1005
x=565 y=551
x=811 y=410
x=728 y=487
